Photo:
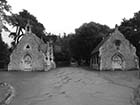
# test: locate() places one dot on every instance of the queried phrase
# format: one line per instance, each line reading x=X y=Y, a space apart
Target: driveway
x=72 y=86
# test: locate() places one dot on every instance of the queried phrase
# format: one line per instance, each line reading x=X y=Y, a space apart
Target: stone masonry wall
x=19 y=52
x=126 y=49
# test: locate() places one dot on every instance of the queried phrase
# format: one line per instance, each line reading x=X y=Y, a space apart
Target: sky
x=59 y=16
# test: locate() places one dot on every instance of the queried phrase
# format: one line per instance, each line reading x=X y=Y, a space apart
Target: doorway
x=118 y=62
x=27 y=62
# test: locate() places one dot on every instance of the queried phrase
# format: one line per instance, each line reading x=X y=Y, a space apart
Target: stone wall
x=16 y=58
x=125 y=49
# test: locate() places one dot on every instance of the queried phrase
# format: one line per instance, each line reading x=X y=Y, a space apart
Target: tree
x=20 y=20
x=4 y=9
x=49 y=37
x=86 y=39
x=62 y=52
x=4 y=53
x=131 y=29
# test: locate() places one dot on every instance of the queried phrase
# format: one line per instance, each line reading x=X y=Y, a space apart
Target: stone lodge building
x=114 y=52
x=31 y=54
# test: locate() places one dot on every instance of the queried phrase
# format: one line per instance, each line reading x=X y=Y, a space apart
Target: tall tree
x=131 y=29
x=4 y=9
x=20 y=20
x=4 y=52
x=62 y=52
x=86 y=39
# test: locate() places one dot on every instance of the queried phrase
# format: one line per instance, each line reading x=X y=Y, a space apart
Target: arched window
x=118 y=61
x=27 y=59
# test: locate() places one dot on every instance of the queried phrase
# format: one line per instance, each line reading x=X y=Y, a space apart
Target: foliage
x=131 y=29
x=4 y=54
x=49 y=37
x=20 y=21
x=4 y=9
x=62 y=52
x=86 y=38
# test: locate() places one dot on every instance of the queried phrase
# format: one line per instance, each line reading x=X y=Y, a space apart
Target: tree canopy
x=131 y=29
x=4 y=9
x=61 y=50
x=4 y=54
x=20 y=20
x=86 y=38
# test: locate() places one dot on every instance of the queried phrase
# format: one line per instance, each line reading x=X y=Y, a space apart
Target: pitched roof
x=105 y=39
x=100 y=44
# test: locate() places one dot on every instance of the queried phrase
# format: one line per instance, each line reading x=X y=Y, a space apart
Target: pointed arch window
x=118 y=57
x=27 y=59
x=118 y=61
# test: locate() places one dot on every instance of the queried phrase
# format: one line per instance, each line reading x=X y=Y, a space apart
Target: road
x=71 y=86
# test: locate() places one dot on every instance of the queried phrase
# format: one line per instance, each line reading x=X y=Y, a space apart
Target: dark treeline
x=67 y=47
x=4 y=54
x=79 y=45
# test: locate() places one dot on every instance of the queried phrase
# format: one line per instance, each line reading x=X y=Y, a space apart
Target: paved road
x=70 y=86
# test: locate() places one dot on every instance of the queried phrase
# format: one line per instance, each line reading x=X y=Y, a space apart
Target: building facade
x=31 y=54
x=114 y=52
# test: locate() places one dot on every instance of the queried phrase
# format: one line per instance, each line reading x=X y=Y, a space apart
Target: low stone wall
x=7 y=93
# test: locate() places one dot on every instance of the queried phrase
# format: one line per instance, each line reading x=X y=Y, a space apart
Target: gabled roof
x=100 y=44
x=29 y=35
x=105 y=39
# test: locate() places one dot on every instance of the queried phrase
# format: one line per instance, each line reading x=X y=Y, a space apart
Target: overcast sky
x=60 y=16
